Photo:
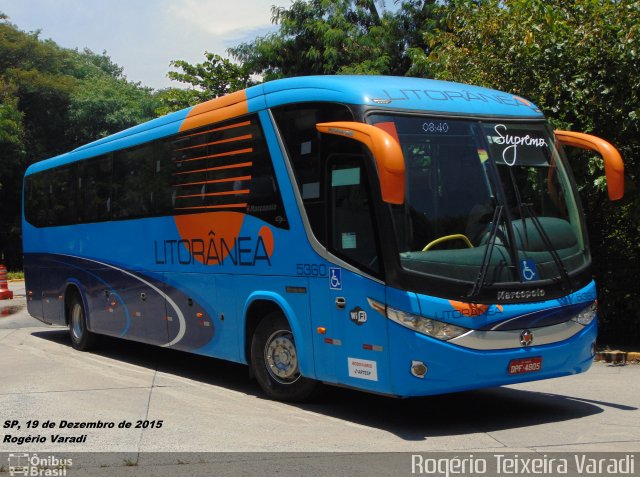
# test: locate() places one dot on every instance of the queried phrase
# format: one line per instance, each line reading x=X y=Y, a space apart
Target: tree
x=102 y=105
x=53 y=99
x=13 y=160
x=339 y=37
x=214 y=77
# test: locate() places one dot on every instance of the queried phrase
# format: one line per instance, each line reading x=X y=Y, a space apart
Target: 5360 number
x=311 y=269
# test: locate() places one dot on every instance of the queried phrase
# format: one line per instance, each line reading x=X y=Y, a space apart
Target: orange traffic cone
x=5 y=293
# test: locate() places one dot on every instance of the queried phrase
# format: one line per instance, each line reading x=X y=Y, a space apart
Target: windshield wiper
x=520 y=204
x=486 y=259
x=526 y=207
x=547 y=243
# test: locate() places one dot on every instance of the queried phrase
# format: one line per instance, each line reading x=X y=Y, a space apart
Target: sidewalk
x=17 y=287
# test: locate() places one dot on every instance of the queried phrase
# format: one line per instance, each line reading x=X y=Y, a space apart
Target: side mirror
x=613 y=165
x=385 y=150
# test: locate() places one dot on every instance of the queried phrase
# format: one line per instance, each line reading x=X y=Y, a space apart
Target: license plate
x=525 y=365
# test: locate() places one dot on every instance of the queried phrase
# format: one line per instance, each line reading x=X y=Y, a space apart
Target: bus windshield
x=490 y=199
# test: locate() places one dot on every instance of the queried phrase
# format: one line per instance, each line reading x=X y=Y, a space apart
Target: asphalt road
x=207 y=405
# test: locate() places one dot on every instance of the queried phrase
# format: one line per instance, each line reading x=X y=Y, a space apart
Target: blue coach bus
x=397 y=235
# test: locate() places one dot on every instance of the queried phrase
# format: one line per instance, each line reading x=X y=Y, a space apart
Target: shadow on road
x=413 y=419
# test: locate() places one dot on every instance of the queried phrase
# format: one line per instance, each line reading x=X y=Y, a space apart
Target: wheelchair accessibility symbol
x=528 y=270
x=335 y=279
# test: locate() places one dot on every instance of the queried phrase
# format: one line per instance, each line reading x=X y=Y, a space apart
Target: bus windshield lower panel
x=458 y=173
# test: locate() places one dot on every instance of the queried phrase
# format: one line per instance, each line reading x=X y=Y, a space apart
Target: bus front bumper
x=452 y=368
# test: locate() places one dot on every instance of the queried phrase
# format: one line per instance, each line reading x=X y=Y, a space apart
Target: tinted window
x=297 y=127
x=63 y=194
x=352 y=234
x=37 y=200
x=218 y=167
x=141 y=181
x=226 y=167
x=95 y=189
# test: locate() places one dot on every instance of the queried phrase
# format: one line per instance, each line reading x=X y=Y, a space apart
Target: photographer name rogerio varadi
x=14 y=436
x=514 y=464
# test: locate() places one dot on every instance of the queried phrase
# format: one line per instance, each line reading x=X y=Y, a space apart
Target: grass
x=15 y=275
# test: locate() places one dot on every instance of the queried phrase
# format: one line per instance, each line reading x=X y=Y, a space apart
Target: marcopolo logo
x=520 y=294
x=34 y=465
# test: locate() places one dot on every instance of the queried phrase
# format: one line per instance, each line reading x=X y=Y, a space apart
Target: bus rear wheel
x=274 y=360
x=81 y=338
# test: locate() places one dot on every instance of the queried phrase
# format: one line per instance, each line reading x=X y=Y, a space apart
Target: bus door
x=355 y=341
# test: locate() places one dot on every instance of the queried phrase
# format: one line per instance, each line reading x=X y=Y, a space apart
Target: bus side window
x=352 y=233
x=95 y=189
x=264 y=200
x=63 y=191
x=38 y=206
x=161 y=169
x=224 y=166
x=133 y=182
x=297 y=126
x=50 y=197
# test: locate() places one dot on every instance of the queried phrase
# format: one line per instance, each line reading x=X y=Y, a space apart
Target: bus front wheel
x=81 y=338
x=274 y=359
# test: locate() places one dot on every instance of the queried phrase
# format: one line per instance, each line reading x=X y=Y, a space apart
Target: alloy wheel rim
x=76 y=322
x=281 y=357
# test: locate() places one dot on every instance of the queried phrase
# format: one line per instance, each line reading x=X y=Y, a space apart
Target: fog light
x=593 y=349
x=418 y=369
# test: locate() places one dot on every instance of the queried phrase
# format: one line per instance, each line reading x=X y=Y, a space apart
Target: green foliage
x=580 y=62
x=53 y=99
x=217 y=76
x=88 y=64
x=210 y=79
x=102 y=105
x=11 y=127
x=577 y=59
x=338 y=37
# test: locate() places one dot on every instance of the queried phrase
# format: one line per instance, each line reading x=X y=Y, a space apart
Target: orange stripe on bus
x=219 y=109
x=222 y=141
x=217 y=181
x=227 y=206
x=219 y=168
x=223 y=128
x=222 y=154
x=209 y=194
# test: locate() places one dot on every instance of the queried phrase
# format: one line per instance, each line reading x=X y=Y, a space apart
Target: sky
x=143 y=36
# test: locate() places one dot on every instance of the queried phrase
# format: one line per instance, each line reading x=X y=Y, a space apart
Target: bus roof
x=383 y=92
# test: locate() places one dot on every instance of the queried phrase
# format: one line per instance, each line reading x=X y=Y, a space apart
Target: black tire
x=274 y=360
x=81 y=338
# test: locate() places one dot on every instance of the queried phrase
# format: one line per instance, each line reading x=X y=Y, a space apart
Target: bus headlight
x=587 y=314
x=434 y=328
